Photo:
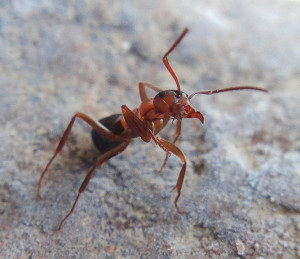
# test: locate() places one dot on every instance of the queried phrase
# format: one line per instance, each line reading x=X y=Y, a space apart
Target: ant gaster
x=112 y=134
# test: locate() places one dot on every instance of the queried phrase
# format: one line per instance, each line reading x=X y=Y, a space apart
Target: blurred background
x=241 y=191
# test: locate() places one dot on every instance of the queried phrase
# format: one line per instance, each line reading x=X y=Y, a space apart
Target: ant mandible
x=112 y=134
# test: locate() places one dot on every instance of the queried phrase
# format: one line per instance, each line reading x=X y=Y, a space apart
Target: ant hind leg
x=94 y=124
x=113 y=152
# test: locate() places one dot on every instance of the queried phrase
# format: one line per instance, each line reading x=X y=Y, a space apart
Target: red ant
x=112 y=134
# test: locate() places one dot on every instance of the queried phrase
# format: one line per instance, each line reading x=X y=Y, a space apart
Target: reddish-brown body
x=112 y=134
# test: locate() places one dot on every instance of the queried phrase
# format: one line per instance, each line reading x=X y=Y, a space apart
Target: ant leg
x=139 y=128
x=94 y=124
x=176 y=151
x=142 y=90
x=86 y=180
x=165 y=57
x=177 y=135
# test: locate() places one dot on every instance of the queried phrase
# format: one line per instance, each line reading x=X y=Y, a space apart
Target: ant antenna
x=165 y=59
x=235 y=88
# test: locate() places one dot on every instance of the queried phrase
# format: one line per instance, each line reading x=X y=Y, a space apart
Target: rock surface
x=241 y=194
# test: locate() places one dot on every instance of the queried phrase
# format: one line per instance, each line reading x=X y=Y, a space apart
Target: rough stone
x=241 y=191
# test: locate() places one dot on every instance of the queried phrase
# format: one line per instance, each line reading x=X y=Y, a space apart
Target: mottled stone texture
x=241 y=195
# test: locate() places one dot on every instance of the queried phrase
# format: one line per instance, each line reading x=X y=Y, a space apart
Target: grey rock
x=241 y=191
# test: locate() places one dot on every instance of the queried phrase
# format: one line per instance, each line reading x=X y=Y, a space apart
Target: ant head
x=175 y=104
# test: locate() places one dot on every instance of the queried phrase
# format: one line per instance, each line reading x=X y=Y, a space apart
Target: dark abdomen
x=113 y=123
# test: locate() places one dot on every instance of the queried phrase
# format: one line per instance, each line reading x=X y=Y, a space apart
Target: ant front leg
x=177 y=135
x=139 y=128
x=176 y=151
x=94 y=124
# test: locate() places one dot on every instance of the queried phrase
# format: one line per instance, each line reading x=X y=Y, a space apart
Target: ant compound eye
x=162 y=94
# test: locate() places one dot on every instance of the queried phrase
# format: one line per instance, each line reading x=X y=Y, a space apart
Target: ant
x=112 y=134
